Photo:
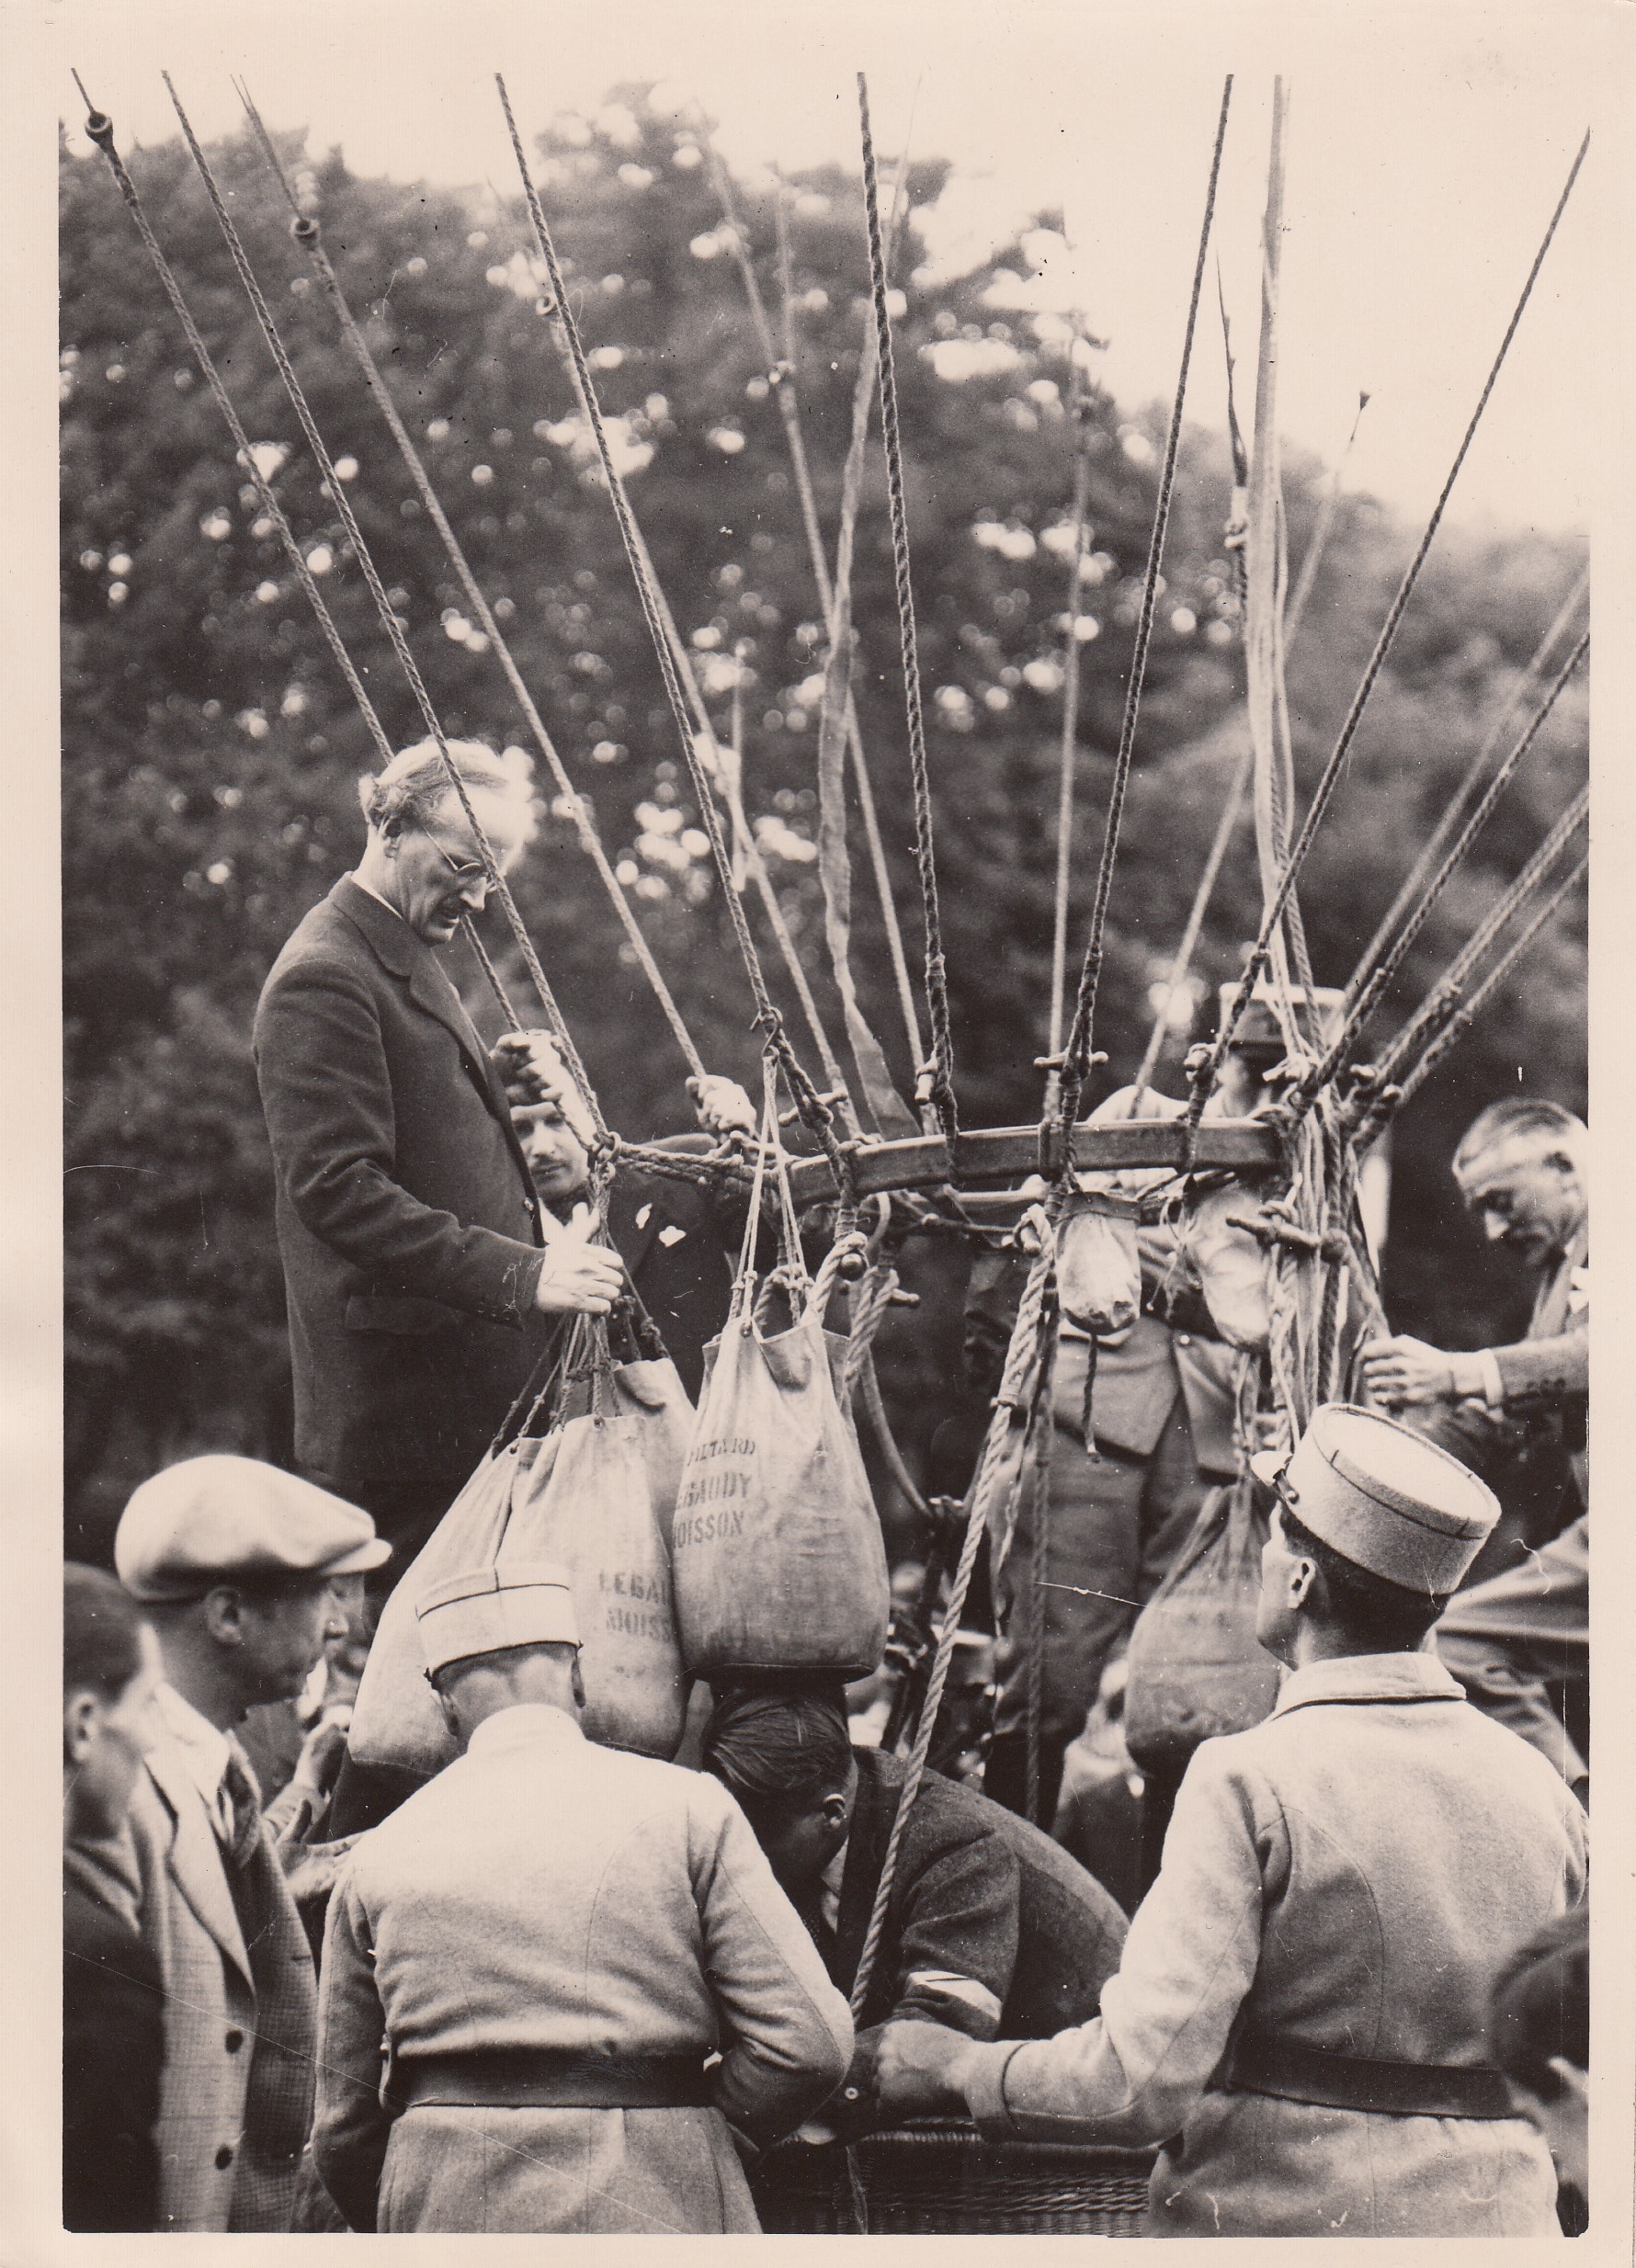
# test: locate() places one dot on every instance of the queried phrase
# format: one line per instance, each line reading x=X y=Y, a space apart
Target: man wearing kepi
x=413 y=1261
x=1300 y=2013
x=528 y=1965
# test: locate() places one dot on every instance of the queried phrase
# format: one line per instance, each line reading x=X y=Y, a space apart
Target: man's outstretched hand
x=920 y=2068
x=1403 y=1373
x=578 y=1277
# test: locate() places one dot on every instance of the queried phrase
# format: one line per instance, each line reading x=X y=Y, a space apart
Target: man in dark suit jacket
x=415 y=1260
x=113 y=1996
x=991 y=1928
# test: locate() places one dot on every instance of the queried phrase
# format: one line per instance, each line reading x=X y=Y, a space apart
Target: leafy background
x=211 y=753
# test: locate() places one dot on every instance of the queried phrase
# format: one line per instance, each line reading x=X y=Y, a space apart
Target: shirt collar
x=829 y=1886
x=525 y=1720
x=357 y=881
x=1418 y=1676
x=204 y=1747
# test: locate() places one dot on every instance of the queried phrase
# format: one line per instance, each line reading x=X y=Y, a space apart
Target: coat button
x=224 y=2156
x=1182 y=1339
x=235 y=2040
x=850 y=2094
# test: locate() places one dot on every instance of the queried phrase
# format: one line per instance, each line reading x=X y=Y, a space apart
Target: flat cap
x=1383 y=1497
x=221 y=1519
x=526 y=1603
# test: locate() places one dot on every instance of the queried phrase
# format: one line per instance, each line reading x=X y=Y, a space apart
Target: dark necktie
x=243 y=1798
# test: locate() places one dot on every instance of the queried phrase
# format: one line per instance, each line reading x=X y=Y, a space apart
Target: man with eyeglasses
x=417 y=1269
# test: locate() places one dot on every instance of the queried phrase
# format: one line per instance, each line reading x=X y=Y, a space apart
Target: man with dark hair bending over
x=1301 y=2017
x=991 y=1929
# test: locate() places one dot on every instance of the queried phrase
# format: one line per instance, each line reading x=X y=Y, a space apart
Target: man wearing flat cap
x=528 y=1965
x=233 y=1562
x=1300 y=2014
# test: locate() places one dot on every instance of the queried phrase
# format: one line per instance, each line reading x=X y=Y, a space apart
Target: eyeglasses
x=463 y=869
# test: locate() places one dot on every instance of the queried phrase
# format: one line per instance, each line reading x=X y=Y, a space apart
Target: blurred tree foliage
x=211 y=753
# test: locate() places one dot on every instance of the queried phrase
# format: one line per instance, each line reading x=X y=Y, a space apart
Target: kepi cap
x=224 y=1519
x=1259 y=1026
x=526 y=1603
x=1383 y=1497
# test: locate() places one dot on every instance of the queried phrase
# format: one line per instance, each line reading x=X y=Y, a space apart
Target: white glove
x=533 y=1071
x=578 y=1277
x=723 y=1106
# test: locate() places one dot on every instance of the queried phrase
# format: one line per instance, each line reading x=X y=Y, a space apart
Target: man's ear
x=223 y=1611
x=82 y=1720
x=1302 y=1576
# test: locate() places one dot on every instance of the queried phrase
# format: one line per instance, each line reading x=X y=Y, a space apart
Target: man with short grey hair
x=414 y=1257
x=1520 y=1641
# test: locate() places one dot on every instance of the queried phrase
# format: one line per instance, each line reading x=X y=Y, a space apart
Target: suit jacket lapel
x=196 y=1861
x=405 y=955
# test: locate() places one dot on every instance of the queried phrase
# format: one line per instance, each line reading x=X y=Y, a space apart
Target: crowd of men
x=560 y=1988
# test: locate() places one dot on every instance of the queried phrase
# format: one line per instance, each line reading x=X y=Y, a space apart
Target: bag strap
x=793 y=1266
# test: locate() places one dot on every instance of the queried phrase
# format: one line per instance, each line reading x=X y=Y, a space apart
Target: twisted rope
x=1068 y=752
x=1205 y=1074
x=1182 y=963
x=935 y=1087
x=1456 y=809
x=101 y=129
x=1461 y=1021
x=1076 y=1059
x=728 y=777
x=1386 y=968
x=1021 y=1360
x=1445 y=994
x=389 y=620
x=306 y=234
x=814 y=1112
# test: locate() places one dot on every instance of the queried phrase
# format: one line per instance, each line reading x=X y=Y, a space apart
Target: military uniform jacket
x=406 y=1216
x=1350 y=1874
x=236 y=2094
x=545 y=1893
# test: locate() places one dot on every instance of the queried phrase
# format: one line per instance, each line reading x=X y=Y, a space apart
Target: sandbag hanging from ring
x=1195 y=1667
x=585 y=1498
x=605 y=1520
x=779 y=1564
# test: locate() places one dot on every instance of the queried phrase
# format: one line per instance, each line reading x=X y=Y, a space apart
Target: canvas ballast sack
x=1195 y=1669
x=594 y=1491
x=779 y=1558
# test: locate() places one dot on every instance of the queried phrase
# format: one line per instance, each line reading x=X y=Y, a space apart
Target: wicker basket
x=940 y=2178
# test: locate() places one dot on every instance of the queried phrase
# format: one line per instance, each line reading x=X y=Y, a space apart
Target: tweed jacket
x=1350 y=1874
x=236 y=2094
x=991 y=1928
x=405 y=1218
x=1551 y=1365
x=545 y=1893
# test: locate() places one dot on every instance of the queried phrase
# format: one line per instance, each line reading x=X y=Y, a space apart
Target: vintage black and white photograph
x=825 y=822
